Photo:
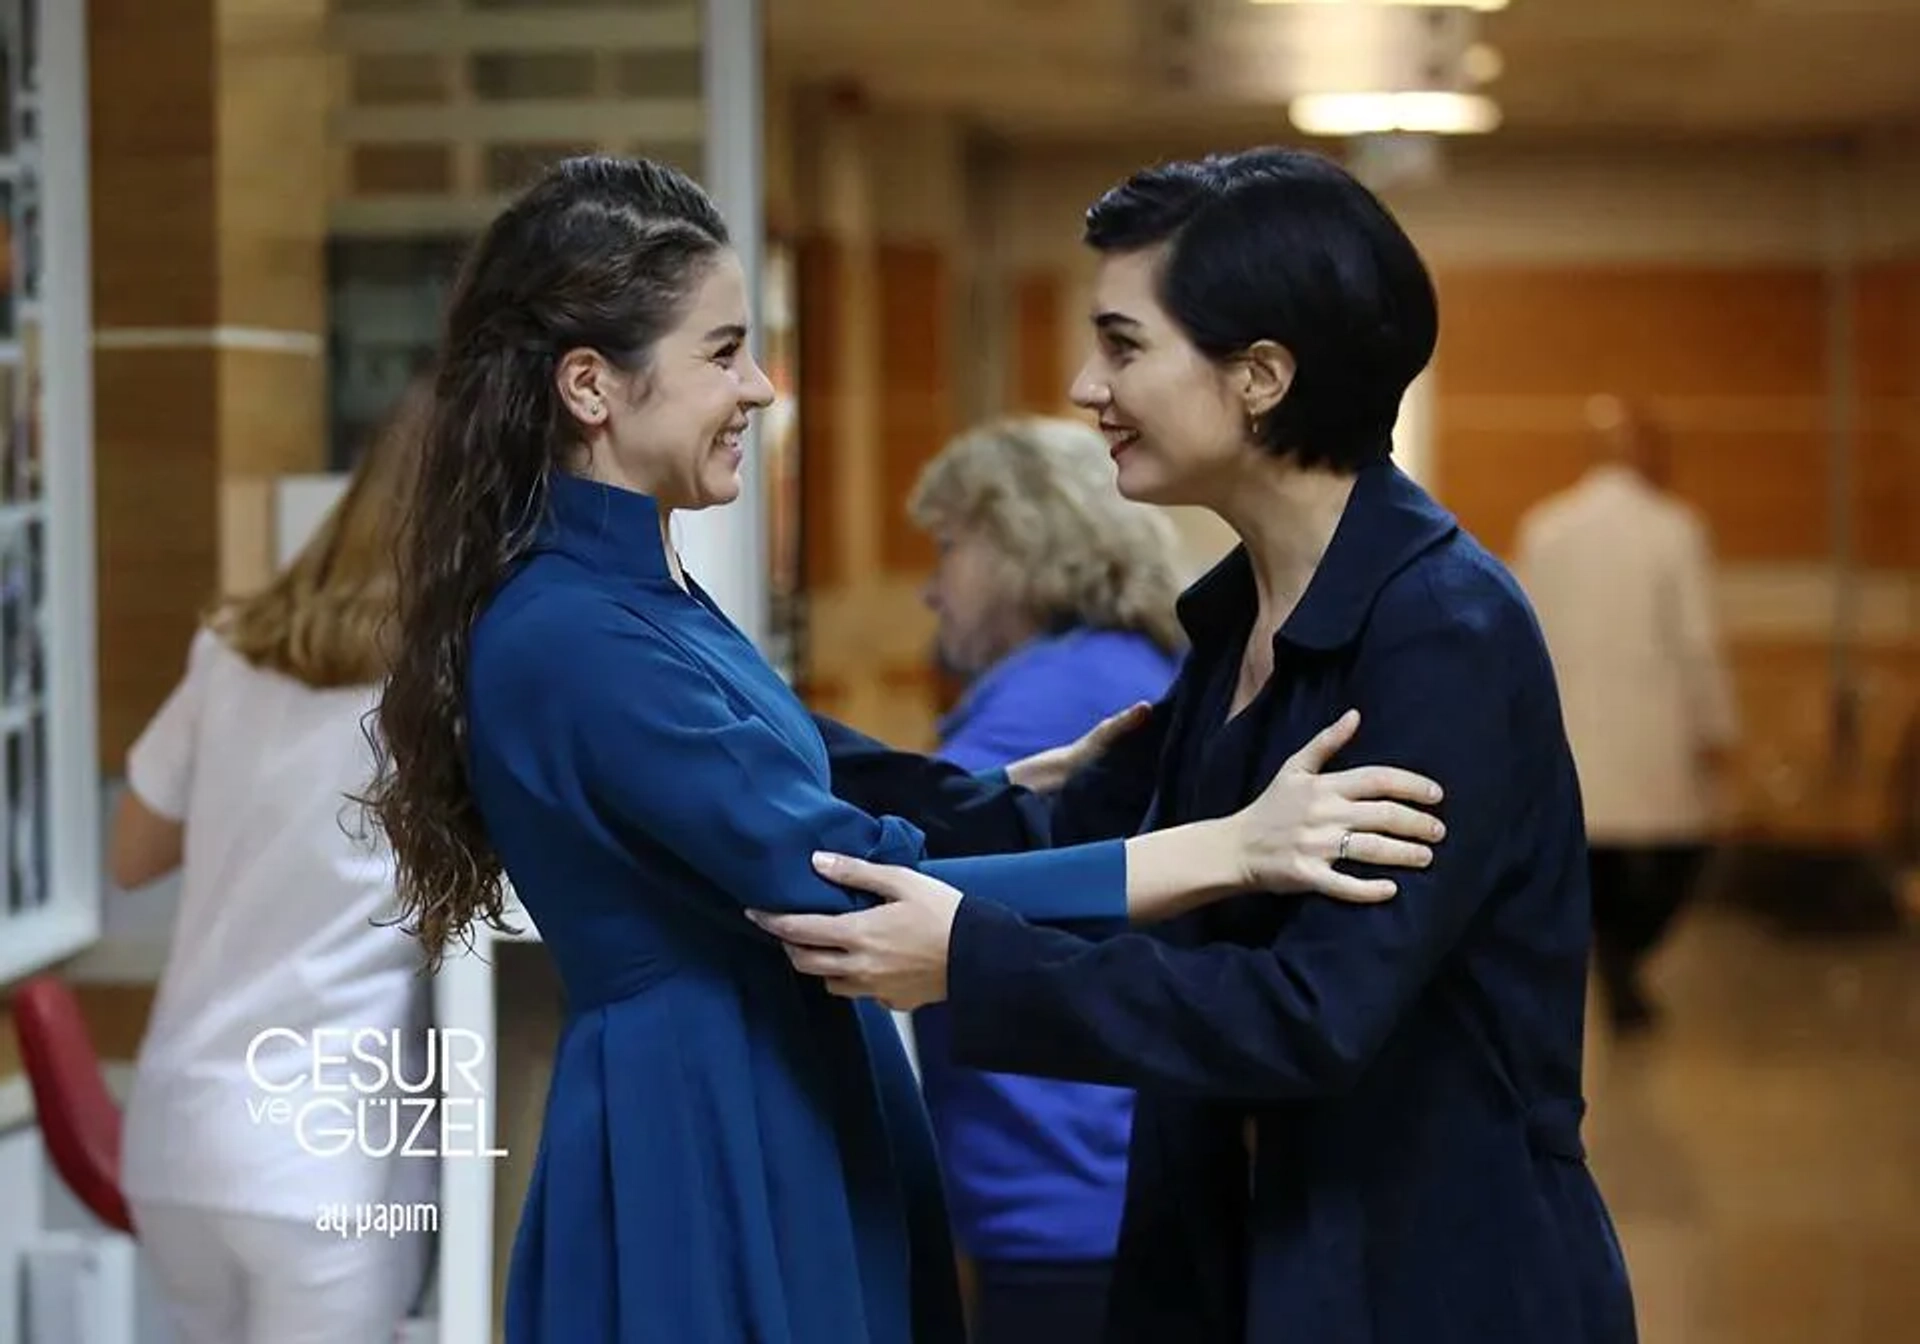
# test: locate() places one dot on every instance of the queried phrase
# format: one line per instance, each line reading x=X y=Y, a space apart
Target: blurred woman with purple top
x=1055 y=598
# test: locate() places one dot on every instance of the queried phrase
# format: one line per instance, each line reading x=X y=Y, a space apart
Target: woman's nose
x=758 y=389
x=1088 y=392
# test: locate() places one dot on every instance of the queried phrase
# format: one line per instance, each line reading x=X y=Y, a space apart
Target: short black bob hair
x=1285 y=246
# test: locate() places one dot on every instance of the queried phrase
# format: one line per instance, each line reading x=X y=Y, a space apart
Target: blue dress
x=729 y=1154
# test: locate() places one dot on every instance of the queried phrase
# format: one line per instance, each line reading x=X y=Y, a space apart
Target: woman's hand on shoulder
x=1305 y=822
x=1047 y=771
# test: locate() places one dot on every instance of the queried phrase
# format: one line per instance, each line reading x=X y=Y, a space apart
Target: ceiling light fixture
x=1482 y=64
x=1484 y=6
x=1417 y=112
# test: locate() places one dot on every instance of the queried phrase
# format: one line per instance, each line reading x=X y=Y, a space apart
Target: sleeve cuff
x=149 y=783
x=983 y=956
x=1083 y=883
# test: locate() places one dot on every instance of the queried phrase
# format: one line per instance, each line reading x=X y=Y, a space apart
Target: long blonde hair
x=326 y=619
x=1075 y=551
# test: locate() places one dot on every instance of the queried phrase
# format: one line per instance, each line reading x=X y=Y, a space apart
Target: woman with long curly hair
x=731 y=1151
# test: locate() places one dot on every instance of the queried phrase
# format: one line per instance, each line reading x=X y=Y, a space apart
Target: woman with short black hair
x=1355 y=1124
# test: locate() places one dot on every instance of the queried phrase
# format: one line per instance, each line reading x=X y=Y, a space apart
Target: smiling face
x=672 y=428
x=1178 y=424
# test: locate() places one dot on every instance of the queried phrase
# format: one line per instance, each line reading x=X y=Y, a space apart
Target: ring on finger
x=1346 y=838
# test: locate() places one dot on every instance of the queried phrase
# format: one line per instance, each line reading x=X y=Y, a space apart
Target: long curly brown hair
x=600 y=254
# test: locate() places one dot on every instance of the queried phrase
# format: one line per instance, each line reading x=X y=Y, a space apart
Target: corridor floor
x=1761 y=1151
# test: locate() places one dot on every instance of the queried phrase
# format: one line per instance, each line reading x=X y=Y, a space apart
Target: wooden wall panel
x=823 y=695
x=157 y=526
x=819 y=266
x=1037 y=381
x=1887 y=497
x=153 y=162
x=270 y=400
x=1641 y=331
x=271 y=405
x=1887 y=303
x=916 y=388
x=272 y=106
x=1762 y=490
x=207 y=118
x=1888 y=347
x=1489 y=475
x=1733 y=360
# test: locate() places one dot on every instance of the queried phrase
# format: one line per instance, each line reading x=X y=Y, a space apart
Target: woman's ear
x=1267 y=373
x=585 y=387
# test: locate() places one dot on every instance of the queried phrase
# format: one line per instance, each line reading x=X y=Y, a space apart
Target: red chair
x=79 y=1119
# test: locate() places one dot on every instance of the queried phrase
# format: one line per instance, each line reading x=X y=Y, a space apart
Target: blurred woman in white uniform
x=254 y=1190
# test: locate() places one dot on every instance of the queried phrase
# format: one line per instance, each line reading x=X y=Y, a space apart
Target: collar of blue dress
x=609 y=528
x=1388 y=520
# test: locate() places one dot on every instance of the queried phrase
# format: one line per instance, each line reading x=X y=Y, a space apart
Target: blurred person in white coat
x=1621 y=574
x=256 y=1153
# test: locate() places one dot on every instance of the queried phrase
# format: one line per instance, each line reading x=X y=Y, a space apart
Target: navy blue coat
x=1356 y=1124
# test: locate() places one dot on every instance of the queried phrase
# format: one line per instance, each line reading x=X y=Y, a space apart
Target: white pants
x=235 y=1278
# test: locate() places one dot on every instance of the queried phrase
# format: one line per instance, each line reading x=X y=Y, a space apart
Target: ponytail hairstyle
x=602 y=254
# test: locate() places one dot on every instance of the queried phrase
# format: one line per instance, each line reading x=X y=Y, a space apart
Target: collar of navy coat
x=609 y=528
x=1388 y=521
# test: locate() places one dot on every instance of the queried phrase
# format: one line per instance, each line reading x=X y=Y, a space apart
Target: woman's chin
x=720 y=486
x=1137 y=480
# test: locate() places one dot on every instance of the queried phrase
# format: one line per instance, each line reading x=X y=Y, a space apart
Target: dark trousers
x=1040 y=1302
x=1638 y=890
